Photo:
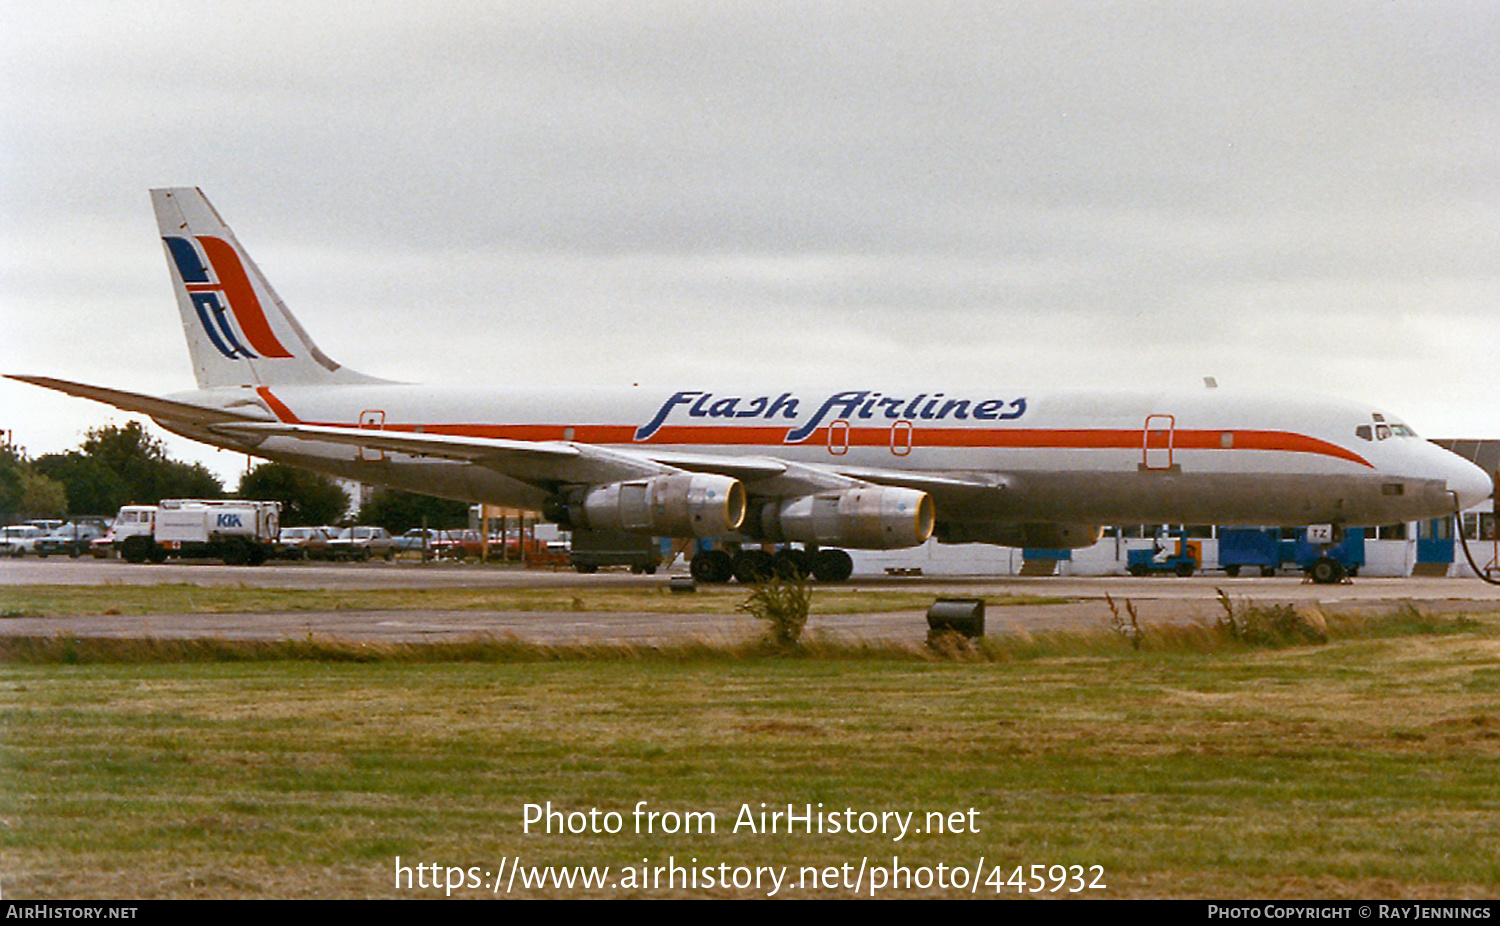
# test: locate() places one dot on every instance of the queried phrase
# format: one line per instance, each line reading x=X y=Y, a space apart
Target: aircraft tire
x=751 y=565
x=832 y=566
x=791 y=565
x=713 y=567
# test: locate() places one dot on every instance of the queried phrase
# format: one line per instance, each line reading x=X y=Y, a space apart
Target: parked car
x=458 y=544
x=416 y=538
x=361 y=543
x=304 y=542
x=70 y=539
x=19 y=539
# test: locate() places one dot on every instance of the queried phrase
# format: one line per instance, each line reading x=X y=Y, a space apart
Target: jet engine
x=681 y=505
x=869 y=517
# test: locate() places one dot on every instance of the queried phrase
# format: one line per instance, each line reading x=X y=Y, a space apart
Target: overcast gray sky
x=1301 y=195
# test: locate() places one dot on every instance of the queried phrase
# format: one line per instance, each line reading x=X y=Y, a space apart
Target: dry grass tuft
x=783 y=603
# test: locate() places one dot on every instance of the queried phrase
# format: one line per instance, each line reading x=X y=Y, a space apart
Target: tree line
x=119 y=465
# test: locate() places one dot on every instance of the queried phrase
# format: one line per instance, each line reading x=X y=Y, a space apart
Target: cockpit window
x=1382 y=429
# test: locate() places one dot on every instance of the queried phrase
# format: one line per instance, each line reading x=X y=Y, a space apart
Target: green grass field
x=1365 y=767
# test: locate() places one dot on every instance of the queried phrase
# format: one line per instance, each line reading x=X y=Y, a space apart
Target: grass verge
x=1363 y=767
x=182 y=598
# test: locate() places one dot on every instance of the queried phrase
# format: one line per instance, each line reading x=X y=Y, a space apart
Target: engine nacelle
x=682 y=505
x=1047 y=536
x=869 y=518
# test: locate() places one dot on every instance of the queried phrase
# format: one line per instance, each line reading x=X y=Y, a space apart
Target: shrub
x=783 y=603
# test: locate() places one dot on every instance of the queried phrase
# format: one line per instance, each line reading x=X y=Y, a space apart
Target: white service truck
x=238 y=532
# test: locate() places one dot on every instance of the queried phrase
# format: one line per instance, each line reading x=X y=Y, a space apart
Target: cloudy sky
x=1297 y=195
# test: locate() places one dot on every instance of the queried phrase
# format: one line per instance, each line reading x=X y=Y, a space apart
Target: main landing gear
x=752 y=564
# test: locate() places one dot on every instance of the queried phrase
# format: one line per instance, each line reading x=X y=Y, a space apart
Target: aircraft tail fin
x=239 y=332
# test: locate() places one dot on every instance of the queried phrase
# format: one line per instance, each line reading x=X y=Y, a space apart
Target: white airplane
x=856 y=468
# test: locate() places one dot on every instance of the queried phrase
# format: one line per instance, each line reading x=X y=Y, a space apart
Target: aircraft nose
x=1468 y=483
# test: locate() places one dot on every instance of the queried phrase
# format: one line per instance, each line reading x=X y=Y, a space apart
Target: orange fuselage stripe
x=771 y=438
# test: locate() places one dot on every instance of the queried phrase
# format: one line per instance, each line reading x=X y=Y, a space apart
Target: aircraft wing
x=773 y=476
x=548 y=463
x=541 y=463
x=938 y=485
x=755 y=470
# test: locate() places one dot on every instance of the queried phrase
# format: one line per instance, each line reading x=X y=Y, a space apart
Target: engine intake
x=682 y=505
x=869 y=517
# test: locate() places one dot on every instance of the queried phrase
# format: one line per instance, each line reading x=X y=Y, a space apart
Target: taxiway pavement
x=1158 y=600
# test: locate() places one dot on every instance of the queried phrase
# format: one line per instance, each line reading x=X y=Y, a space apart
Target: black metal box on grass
x=959 y=615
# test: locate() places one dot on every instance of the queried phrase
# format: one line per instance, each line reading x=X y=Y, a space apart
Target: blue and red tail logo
x=227 y=292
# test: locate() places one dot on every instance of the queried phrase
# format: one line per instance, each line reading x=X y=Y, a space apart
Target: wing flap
x=541 y=463
x=935 y=483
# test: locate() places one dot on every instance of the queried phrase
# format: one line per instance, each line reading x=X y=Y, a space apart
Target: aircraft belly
x=1114 y=487
x=1210 y=498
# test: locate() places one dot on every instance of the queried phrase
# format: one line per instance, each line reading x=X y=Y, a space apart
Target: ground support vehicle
x=1183 y=560
x=1270 y=548
x=1328 y=563
x=1249 y=547
x=553 y=553
x=592 y=549
x=238 y=532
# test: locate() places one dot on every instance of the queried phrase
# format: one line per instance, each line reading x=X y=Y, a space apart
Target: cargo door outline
x=371 y=420
x=1157 y=440
x=901 y=438
x=838 y=437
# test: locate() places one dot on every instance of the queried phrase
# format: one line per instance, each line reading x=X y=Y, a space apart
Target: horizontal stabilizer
x=160 y=409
